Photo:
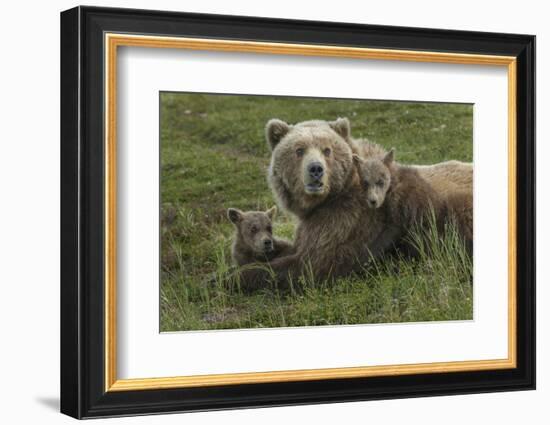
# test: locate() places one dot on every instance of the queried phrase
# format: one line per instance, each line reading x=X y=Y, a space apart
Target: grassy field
x=214 y=156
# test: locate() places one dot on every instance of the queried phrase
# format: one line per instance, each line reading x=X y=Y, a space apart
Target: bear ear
x=357 y=159
x=234 y=215
x=342 y=127
x=275 y=130
x=271 y=212
x=388 y=158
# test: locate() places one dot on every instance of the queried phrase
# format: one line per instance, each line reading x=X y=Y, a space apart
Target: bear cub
x=254 y=240
x=407 y=199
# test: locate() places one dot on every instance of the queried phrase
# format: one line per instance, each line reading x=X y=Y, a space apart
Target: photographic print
x=310 y=214
x=293 y=211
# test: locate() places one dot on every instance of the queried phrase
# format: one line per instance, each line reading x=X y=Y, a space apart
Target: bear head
x=254 y=229
x=375 y=176
x=310 y=162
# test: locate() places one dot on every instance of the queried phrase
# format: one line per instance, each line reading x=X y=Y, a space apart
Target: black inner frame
x=82 y=212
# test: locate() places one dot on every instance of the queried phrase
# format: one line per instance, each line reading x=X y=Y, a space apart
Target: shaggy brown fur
x=254 y=240
x=408 y=200
x=336 y=228
x=448 y=177
x=461 y=205
x=404 y=196
x=312 y=175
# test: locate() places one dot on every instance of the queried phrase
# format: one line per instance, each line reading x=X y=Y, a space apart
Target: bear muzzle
x=314 y=174
x=268 y=246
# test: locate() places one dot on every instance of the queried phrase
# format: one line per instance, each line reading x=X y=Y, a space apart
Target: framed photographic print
x=261 y=212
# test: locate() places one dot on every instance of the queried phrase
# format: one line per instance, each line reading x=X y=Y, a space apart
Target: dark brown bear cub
x=254 y=240
x=408 y=200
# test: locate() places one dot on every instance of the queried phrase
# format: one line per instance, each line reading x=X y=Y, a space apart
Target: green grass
x=213 y=156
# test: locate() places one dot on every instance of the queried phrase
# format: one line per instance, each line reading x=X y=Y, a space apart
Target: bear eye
x=269 y=229
x=300 y=152
x=254 y=229
x=327 y=152
x=380 y=183
x=366 y=183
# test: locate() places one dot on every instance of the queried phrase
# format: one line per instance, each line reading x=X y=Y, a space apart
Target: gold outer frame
x=113 y=41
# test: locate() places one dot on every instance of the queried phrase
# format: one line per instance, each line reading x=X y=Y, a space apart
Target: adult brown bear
x=312 y=175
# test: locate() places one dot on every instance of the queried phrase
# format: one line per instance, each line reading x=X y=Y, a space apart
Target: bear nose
x=372 y=202
x=268 y=243
x=316 y=170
